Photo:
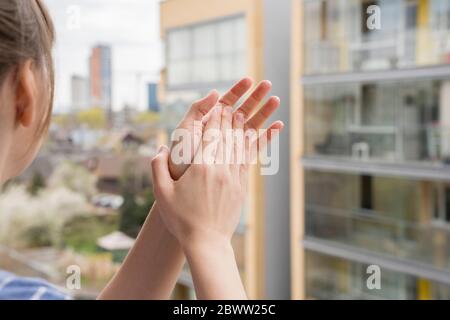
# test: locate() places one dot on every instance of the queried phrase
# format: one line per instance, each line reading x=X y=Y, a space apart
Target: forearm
x=152 y=267
x=214 y=271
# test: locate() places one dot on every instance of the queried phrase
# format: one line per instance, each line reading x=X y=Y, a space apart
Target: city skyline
x=134 y=33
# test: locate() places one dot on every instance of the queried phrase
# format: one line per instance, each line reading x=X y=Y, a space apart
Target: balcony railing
x=424 y=242
x=378 y=51
x=429 y=144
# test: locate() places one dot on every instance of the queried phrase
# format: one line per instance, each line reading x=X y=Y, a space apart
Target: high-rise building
x=370 y=149
x=210 y=44
x=100 y=77
x=79 y=93
x=153 y=101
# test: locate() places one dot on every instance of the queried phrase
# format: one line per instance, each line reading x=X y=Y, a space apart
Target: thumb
x=160 y=170
x=201 y=107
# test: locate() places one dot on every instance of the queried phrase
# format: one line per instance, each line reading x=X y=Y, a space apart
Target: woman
x=193 y=216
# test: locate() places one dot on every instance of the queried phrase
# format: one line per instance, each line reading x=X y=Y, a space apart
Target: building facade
x=100 y=77
x=152 y=95
x=79 y=93
x=211 y=44
x=370 y=151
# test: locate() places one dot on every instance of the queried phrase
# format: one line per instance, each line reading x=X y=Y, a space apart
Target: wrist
x=206 y=243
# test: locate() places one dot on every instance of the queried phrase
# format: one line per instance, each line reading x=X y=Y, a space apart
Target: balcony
x=377 y=50
x=419 y=145
x=426 y=243
x=330 y=276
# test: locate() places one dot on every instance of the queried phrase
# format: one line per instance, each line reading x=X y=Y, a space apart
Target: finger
x=198 y=112
x=252 y=102
x=223 y=155
x=243 y=177
x=264 y=113
x=160 y=170
x=250 y=146
x=274 y=129
x=238 y=141
x=211 y=135
x=200 y=108
x=236 y=92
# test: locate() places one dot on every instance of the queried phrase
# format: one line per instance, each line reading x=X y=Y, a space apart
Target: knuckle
x=155 y=161
x=201 y=169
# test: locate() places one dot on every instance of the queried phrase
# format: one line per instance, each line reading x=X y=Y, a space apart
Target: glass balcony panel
x=384 y=215
x=334 y=278
x=390 y=122
x=337 y=37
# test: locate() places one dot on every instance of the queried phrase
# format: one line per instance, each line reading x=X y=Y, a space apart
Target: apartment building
x=212 y=44
x=370 y=149
x=100 y=77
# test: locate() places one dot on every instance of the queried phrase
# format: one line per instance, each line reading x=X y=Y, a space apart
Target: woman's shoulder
x=13 y=287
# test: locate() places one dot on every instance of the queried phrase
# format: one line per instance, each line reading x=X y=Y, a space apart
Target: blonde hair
x=27 y=32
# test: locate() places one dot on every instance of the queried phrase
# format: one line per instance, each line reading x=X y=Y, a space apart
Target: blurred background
x=364 y=174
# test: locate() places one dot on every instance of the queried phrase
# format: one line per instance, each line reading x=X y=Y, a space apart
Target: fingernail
x=162 y=148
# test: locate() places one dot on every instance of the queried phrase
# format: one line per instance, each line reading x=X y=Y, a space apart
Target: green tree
x=37 y=183
x=147 y=117
x=138 y=199
x=74 y=177
x=94 y=118
x=128 y=211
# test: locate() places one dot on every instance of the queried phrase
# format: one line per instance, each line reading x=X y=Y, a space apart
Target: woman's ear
x=26 y=94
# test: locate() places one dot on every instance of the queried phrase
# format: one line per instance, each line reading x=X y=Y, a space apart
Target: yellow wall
x=178 y=13
x=424 y=39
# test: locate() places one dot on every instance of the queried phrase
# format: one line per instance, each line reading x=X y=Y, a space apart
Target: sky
x=131 y=27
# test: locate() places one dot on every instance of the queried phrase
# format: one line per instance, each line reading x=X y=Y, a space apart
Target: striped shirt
x=13 y=287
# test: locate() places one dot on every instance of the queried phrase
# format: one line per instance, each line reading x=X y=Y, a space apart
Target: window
x=205 y=53
x=178 y=56
x=441 y=208
x=440 y=14
x=366 y=193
